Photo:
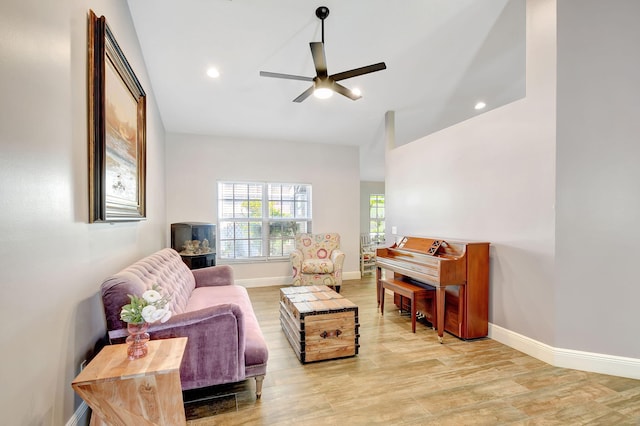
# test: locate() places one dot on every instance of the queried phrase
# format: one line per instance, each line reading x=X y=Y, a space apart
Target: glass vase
x=137 y=340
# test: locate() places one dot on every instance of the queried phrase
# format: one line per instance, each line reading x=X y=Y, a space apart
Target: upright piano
x=457 y=271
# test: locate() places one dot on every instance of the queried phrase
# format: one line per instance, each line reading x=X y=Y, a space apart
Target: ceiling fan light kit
x=324 y=84
x=322 y=92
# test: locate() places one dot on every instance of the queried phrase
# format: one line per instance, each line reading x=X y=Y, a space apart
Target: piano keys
x=457 y=270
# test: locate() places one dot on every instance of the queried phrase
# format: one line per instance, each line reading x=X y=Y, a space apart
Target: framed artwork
x=117 y=130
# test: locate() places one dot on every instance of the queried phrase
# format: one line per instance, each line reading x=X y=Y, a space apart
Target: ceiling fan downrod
x=322 y=12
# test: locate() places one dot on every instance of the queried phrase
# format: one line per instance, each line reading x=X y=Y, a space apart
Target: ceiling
x=442 y=57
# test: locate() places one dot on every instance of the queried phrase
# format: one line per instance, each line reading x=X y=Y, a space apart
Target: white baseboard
x=568 y=358
x=78 y=416
x=269 y=281
x=353 y=275
x=263 y=282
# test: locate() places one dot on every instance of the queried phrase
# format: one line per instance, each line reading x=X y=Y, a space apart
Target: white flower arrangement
x=148 y=308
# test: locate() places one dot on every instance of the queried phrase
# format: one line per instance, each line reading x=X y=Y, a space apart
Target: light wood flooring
x=401 y=378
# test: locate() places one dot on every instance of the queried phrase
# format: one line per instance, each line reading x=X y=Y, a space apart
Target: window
x=376 y=218
x=258 y=221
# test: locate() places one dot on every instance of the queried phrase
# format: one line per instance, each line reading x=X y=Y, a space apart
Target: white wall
x=195 y=164
x=598 y=186
x=560 y=211
x=492 y=178
x=52 y=260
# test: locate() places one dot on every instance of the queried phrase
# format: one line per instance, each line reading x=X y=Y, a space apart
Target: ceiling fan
x=324 y=84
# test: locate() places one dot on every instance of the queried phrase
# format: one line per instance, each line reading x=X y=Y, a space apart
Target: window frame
x=377 y=236
x=296 y=206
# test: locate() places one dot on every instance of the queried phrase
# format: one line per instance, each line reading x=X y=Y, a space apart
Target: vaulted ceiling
x=442 y=57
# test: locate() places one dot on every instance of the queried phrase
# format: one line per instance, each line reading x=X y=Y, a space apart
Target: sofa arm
x=213 y=275
x=337 y=257
x=215 y=347
x=295 y=259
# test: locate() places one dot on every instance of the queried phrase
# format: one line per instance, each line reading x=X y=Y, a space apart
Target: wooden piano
x=457 y=271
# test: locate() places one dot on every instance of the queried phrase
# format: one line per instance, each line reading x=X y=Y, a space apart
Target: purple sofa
x=225 y=342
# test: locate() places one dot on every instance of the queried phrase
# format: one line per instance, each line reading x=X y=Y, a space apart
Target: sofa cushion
x=255 y=346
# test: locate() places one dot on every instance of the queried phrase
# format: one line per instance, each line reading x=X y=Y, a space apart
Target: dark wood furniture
x=416 y=295
x=457 y=270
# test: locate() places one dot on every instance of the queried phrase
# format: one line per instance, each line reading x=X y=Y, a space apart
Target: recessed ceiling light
x=213 y=72
x=480 y=105
x=356 y=91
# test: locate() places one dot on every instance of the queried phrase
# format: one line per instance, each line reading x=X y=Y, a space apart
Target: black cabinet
x=196 y=243
x=199 y=260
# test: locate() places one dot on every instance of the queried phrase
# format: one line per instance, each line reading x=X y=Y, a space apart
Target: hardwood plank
x=401 y=378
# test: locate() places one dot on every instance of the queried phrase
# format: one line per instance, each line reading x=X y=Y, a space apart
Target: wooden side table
x=145 y=391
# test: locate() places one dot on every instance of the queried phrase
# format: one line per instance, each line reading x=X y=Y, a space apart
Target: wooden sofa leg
x=259 y=380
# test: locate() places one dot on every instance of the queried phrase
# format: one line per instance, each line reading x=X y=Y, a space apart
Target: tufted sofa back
x=164 y=268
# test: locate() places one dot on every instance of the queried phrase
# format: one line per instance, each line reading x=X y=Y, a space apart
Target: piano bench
x=405 y=289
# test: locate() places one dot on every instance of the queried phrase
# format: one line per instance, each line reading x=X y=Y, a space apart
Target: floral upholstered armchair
x=317 y=260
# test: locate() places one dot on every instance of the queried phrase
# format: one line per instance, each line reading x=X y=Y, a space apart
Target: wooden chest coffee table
x=319 y=323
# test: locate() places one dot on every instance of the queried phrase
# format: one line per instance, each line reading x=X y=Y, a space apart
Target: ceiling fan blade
x=339 y=88
x=304 y=95
x=359 y=71
x=287 y=76
x=319 y=59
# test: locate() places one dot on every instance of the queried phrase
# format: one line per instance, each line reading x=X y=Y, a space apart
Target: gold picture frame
x=117 y=130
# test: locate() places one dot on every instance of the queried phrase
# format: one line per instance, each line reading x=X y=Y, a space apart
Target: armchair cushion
x=317 y=266
x=317 y=259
